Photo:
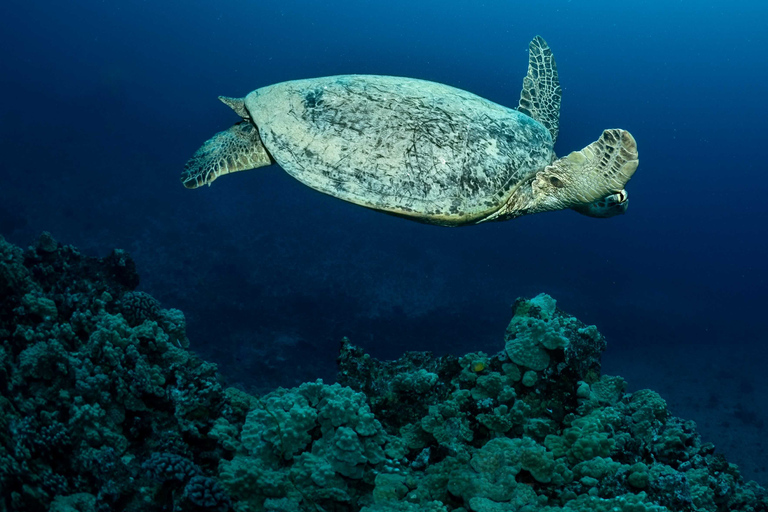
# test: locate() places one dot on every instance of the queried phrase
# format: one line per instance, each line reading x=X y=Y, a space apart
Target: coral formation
x=103 y=407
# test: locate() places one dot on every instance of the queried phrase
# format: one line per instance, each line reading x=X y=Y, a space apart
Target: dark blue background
x=103 y=102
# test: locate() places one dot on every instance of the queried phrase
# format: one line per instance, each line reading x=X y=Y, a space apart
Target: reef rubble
x=104 y=407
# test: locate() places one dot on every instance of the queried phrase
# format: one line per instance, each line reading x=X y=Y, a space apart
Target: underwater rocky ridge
x=103 y=406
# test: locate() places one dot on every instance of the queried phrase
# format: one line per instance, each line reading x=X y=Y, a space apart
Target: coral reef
x=103 y=407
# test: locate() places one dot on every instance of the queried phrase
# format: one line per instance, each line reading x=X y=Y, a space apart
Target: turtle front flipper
x=601 y=169
x=237 y=149
x=541 y=94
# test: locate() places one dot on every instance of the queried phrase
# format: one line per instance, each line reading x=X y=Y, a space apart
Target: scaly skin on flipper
x=541 y=94
x=236 y=149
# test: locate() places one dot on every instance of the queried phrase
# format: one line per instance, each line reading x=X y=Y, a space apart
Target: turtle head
x=609 y=206
x=592 y=180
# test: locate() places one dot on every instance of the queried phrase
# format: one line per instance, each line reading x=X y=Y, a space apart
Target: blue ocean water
x=105 y=101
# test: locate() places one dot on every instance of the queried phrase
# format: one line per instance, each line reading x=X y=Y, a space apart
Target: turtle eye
x=555 y=181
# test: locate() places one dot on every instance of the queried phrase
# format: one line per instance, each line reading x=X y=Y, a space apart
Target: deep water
x=105 y=101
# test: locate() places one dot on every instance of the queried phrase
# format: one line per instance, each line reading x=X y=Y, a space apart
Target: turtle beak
x=617 y=204
x=609 y=206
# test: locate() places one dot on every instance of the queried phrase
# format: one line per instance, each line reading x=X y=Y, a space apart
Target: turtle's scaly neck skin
x=581 y=178
x=520 y=202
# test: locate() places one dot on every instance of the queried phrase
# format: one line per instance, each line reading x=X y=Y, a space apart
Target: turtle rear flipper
x=236 y=149
x=541 y=94
x=601 y=169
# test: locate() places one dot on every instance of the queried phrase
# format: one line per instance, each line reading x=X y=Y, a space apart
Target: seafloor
x=104 y=407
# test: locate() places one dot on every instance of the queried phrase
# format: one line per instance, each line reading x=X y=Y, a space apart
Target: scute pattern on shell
x=406 y=146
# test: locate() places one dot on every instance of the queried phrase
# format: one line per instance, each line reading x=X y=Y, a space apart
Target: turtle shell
x=410 y=147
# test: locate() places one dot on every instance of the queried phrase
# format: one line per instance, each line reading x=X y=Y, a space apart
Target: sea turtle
x=422 y=150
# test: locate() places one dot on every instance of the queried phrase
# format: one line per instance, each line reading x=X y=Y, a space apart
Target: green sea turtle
x=422 y=150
